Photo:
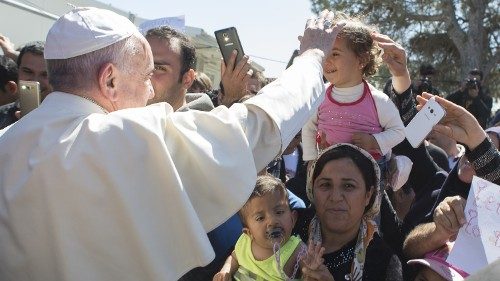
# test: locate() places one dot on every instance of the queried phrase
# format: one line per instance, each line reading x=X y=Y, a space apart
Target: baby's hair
x=265 y=184
x=357 y=36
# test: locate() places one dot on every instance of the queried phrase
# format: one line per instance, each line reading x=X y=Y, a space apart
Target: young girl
x=353 y=111
x=266 y=250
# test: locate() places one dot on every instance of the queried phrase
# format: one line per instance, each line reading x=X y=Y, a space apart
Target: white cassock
x=129 y=195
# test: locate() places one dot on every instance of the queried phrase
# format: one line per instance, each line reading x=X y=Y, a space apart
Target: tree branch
x=419 y=17
x=457 y=35
x=495 y=59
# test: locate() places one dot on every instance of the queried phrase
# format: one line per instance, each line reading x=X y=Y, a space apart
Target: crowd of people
x=136 y=167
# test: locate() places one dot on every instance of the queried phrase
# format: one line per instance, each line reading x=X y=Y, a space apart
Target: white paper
x=178 y=23
x=478 y=241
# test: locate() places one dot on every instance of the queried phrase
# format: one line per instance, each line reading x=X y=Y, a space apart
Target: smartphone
x=294 y=55
x=228 y=41
x=421 y=125
x=29 y=96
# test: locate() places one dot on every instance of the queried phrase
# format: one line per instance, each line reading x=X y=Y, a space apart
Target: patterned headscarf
x=310 y=181
x=367 y=227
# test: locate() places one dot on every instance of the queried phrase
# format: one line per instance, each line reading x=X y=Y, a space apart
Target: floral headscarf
x=367 y=227
x=310 y=181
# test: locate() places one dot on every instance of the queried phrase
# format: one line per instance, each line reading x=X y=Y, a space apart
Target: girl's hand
x=365 y=141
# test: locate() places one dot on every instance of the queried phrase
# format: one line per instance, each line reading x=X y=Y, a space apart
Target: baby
x=266 y=250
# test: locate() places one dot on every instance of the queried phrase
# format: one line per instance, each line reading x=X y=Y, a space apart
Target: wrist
x=314 y=53
x=401 y=81
x=441 y=235
x=12 y=54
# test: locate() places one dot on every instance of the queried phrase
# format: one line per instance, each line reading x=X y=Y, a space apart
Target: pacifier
x=275 y=233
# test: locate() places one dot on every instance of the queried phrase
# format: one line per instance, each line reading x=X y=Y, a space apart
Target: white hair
x=81 y=72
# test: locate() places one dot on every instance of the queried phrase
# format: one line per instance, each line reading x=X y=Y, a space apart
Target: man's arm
x=8 y=48
x=271 y=119
x=448 y=218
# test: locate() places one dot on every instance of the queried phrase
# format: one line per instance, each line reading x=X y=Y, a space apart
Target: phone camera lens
x=224 y=35
x=432 y=110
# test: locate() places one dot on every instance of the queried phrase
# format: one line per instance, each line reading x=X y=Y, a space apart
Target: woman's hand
x=313 y=267
x=458 y=123
x=395 y=58
x=222 y=276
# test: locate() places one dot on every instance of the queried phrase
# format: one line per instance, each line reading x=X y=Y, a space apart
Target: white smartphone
x=421 y=125
x=29 y=96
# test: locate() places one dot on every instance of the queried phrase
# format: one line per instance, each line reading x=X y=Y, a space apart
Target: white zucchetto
x=84 y=30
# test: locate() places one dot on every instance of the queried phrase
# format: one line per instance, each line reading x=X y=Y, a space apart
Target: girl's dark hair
x=364 y=165
x=357 y=36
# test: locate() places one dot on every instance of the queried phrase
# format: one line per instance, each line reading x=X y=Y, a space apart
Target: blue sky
x=267 y=29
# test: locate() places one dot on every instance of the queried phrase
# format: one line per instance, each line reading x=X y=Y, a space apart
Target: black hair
x=427 y=69
x=476 y=71
x=8 y=71
x=188 y=51
x=36 y=48
x=364 y=164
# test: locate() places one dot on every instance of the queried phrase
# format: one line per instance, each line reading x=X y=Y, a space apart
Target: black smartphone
x=228 y=41
x=29 y=96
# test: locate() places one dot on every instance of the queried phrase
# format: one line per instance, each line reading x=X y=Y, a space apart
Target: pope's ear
x=107 y=79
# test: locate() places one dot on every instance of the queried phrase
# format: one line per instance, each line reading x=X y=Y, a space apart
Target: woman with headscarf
x=343 y=185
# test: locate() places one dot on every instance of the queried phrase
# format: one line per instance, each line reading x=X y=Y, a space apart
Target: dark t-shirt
x=7 y=114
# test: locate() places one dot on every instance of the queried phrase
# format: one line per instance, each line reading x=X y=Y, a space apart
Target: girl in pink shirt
x=353 y=111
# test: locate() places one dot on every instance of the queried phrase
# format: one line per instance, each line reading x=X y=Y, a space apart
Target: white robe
x=130 y=195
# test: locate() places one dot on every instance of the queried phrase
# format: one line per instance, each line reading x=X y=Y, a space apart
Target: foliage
x=453 y=35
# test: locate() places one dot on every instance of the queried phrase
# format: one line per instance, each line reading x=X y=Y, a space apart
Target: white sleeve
x=309 y=148
x=271 y=119
x=388 y=116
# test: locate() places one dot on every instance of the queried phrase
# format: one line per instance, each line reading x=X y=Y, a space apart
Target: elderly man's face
x=135 y=81
x=32 y=68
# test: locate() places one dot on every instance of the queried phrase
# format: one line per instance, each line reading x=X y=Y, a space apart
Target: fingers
x=310 y=23
x=222 y=67
x=381 y=38
x=449 y=214
x=322 y=19
x=242 y=68
x=458 y=207
x=232 y=60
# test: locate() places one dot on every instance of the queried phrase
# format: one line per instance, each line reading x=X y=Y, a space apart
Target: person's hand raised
x=449 y=215
x=234 y=79
x=458 y=123
x=313 y=267
x=395 y=58
x=8 y=47
x=320 y=34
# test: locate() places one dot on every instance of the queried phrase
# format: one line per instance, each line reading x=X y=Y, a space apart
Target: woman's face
x=340 y=196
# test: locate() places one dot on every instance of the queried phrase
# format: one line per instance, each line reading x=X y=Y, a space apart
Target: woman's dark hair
x=364 y=165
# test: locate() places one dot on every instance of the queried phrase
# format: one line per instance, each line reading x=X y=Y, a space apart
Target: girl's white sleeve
x=388 y=116
x=310 y=150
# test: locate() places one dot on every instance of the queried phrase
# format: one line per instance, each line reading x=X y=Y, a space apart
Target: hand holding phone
x=228 y=41
x=421 y=125
x=29 y=96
